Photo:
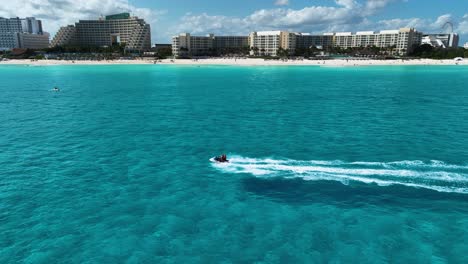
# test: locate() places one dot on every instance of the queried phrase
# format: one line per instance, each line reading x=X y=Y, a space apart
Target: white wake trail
x=435 y=175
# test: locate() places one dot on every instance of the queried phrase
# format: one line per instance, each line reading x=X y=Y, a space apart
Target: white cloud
x=417 y=23
x=375 y=5
x=57 y=13
x=204 y=24
x=436 y=25
x=347 y=3
x=462 y=27
x=345 y=13
x=427 y=25
x=282 y=2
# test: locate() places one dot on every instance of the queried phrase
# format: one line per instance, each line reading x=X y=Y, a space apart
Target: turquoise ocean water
x=328 y=165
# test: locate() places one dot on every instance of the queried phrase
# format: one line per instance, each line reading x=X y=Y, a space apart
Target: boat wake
x=434 y=175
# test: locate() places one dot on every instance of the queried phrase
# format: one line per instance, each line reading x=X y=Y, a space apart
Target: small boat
x=220 y=159
x=56 y=89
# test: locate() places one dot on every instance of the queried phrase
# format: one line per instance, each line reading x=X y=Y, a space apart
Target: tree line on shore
x=419 y=51
x=430 y=52
x=84 y=52
x=119 y=50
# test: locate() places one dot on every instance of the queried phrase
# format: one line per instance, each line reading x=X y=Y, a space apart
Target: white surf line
x=436 y=175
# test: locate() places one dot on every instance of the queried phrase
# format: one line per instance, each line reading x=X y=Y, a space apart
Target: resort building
x=466 y=45
x=305 y=40
x=25 y=33
x=441 y=40
x=188 y=45
x=265 y=42
x=231 y=42
x=122 y=28
x=65 y=36
x=33 y=41
x=268 y=43
x=344 y=40
x=399 y=42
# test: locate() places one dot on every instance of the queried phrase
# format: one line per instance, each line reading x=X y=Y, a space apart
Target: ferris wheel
x=449 y=25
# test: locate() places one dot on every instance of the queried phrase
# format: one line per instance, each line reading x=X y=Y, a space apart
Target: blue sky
x=170 y=17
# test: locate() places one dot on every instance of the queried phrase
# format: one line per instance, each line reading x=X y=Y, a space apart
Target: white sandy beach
x=244 y=62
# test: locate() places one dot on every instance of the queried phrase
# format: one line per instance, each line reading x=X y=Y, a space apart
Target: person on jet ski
x=221 y=158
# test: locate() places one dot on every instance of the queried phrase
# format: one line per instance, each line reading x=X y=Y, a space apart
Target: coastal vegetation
x=116 y=48
x=85 y=53
x=430 y=52
x=119 y=50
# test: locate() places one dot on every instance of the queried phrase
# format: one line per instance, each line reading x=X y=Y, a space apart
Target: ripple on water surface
x=364 y=165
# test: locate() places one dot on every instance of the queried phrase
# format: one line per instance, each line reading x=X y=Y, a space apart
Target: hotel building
x=441 y=40
x=121 y=28
x=305 y=40
x=188 y=45
x=466 y=45
x=232 y=42
x=267 y=43
x=23 y=33
x=400 y=42
x=65 y=36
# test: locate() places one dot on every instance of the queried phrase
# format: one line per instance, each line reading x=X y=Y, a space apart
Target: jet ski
x=220 y=159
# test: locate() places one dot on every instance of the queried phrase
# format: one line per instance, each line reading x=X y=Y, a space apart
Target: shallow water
x=328 y=165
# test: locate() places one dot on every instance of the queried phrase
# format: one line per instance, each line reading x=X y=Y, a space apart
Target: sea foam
x=434 y=175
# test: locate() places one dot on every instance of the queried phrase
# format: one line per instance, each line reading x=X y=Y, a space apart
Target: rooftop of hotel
x=358 y=33
x=268 y=33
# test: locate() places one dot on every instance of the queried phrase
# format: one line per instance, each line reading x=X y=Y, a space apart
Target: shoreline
x=245 y=62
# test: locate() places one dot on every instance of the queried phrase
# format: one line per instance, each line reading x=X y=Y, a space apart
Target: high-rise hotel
x=122 y=28
x=26 y=33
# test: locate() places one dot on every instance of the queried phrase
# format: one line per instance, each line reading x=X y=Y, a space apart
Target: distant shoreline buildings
x=133 y=34
x=449 y=40
x=269 y=43
x=111 y=30
x=187 y=45
x=25 y=33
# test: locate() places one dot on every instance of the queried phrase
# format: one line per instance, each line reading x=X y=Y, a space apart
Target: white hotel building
x=441 y=40
x=268 y=43
x=23 y=33
x=187 y=45
x=401 y=41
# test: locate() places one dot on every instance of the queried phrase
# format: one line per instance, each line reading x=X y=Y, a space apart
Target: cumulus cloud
x=345 y=15
x=372 y=6
x=204 y=24
x=311 y=18
x=57 y=13
x=282 y=2
x=429 y=25
x=462 y=27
